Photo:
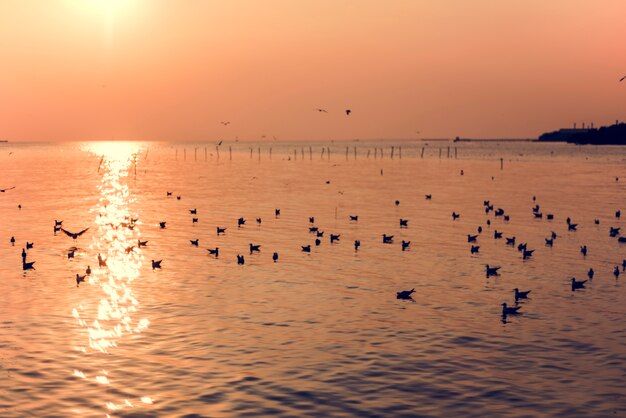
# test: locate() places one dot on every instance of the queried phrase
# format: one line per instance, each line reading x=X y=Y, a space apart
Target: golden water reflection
x=115 y=238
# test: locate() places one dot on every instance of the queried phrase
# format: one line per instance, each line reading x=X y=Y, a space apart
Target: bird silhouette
x=193 y=211
x=405 y=294
x=428 y=196
x=455 y=216
x=101 y=261
x=141 y=243
x=578 y=284
x=215 y=252
x=240 y=259
x=590 y=273
x=527 y=254
x=583 y=250
x=277 y=212
x=29 y=245
x=497 y=235
x=306 y=248
x=471 y=238
x=79 y=279
x=348 y=111
x=162 y=225
x=357 y=244
x=334 y=237
x=520 y=295
x=492 y=270
x=156 y=264
x=317 y=242
x=510 y=241
x=405 y=244
x=474 y=249
x=28 y=266
x=311 y=219
x=404 y=223
x=506 y=310
x=275 y=257
x=74 y=235
x=194 y=220
x=194 y=242
x=387 y=239
x=319 y=234
x=221 y=230
x=88 y=271
x=321 y=110
x=254 y=248
x=354 y=217
x=549 y=242
x=4 y=190
x=240 y=222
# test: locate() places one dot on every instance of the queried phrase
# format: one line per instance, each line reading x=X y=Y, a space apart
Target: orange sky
x=172 y=70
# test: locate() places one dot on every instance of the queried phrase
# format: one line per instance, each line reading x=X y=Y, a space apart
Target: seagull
x=321 y=110
x=254 y=248
x=319 y=233
x=193 y=211
x=622 y=79
x=572 y=227
x=58 y=223
x=520 y=295
x=583 y=250
x=578 y=284
x=387 y=239
x=499 y=212
x=79 y=279
x=405 y=294
x=259 y=220
x=29 y=245
x=306 y=248
x=74 y=235
x=28 y=266
x=277 y=212
x=474 y=249
x=549 y=242
x=313 y=229
x=240 y=259
x=549 y=216
x=348 y=111
x=311 y=219
x=404 y=223
x=334 y=237
x=4 y=190
x=405 y=244
x=101 y=261
x=156 y=264
x=497 y=235
x=614 y=232
x=510 y=241
x=527 y=254
x=215 y=252
x=510 y=311
x=169 y=193
x=429 y=197
x=596 y=221
x=241 y=221
x=590 y=273
x=141 y=243
x=471 y=238
x=492 y=271
x=275 y=257
x=455 y=216
x=521 y=247
x=194 y=220
x=221 y=230
x=616 y=272
x=357 y=244
x=354 y=217
x=194 y=242
x=317 y=242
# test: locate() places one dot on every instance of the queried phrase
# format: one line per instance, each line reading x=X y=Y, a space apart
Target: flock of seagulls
x=490 y=270
x=526 y=253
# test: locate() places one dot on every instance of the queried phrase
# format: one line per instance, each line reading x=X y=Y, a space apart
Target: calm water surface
x=317 y=334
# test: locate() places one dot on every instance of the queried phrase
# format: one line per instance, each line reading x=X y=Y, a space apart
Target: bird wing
x=68 y=233
x=82 y=232
x=623 y=78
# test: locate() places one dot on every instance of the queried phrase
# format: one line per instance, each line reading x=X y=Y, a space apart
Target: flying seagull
x=622 y=79
x=74 y=235
x=4 y=190
x=225 y=122
x=321 y=110
x=348 y=111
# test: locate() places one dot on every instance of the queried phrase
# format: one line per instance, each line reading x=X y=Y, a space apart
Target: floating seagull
x=455 y=216
x=583 y=250
x=29 y=245
x=194 y=220
x=549 y=216
x=474 y=249
x=311 y=219
x=621 y=240
x=241 y=221
x=553 y=235
x=101 y=261
x=162 y=225
x=259 y=220
x=538 y=215
x=507 y=218
x=578 y=284
x=194 y=242
x=129 y=249
x=240 y=259
x=404 y=223
x=510 y=241
x=334 y=237
x=58 y=223
x=169 y=193
x=387 y=239
x=471 y=238
x=492 y=271
x=221 y=230
x=354 y=217
x=590 y=273
x=215 y=252
x=321 y=110
x=510 y=311
x=254 y=248
x=88 y=271
x=74 y=235
x=141 y=243
x=499 y=212
x=357 y=244
x=613 y=232
x=277 y=212
x=596 y=221
x=405 y=244
x=429 y=196
x=306 y=248
x=275 y=257
x=319 y=233
x=549 y=242
x=4 y=190
x=521 y=247
x=405 y=294
x=479 y=229
x=156 y=264
x=348 y=111
x=497 y=235
x=572 y=227
x=12 y=241
x=317 y=242
x=313 y=229
x=178 y=197
x=616 y=272
x=28 y=266
x=527 y=254
x=520 y=295
x=79 y=279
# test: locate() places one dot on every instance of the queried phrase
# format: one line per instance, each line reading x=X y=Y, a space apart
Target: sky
x=174 y=70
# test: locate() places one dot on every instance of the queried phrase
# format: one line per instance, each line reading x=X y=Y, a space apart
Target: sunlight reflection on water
x=116 y=240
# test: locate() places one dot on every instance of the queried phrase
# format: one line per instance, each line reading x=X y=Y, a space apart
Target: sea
x=319 y=333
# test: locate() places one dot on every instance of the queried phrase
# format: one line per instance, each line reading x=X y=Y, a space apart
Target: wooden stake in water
x=328 y=153
x=392 y=149
x=230 y=152
x=368 y=153
x=270 y=153
x=184 y=154
x=310 y=153
x=259 y=153
x=355 y=153
x=205 y=154
x=195 y=154
x=501 y=163
x=382 y=155
x=323 y=151
x=99 y=165
x=423 y=148
x=347 y=149
x=250 y=152
x=375 y=152
x=176 y=154
x=302 y=150
x=448 y=151
x=217 y=151
x=440 y=153
x=456 y=155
